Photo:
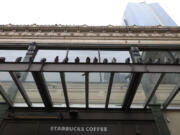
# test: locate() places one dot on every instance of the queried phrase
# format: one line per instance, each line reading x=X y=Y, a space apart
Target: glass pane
x=19 y=99
x=31 y=88
x=120 y=56
x=166 y=86
x=98 y=85
x=50 y=55
x=1 y=99
x=54 y=85
x=82 y=55
x=148 y=81
x=119 y=89
x=176 y=101
x=6 y=81
x=8 y=85
x=140 y=97
x=14 y=54
x=76 y=88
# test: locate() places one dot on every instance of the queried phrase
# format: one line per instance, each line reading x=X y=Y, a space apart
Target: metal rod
x=153 y=90
x=63 y=81
x=109 y=89
x=131 y=91
x=83 y=114
x=6 y=97
x=171 y=96
x=21 y=89
x=87 y=89
x=67 y=53
x=119 y=67
x=99 y=56
x=42 y=87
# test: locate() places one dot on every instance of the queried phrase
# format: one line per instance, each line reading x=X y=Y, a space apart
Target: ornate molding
x=48 y=31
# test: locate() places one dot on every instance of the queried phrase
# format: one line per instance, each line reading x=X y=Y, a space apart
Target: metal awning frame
x=37 y=68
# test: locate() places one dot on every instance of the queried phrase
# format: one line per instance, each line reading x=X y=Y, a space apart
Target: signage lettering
x=78 y=129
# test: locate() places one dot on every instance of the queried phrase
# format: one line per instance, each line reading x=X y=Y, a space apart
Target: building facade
x=57 y=79
x=104 y=84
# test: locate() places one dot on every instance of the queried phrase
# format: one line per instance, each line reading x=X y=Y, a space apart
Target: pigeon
x=56 y=60
x=167 y=60
x=77 y=60
x=2 y=59
x=105 y=61
x=176 y=61
x=114 y=60
x=95 y=60
x=18 y=59
x=65 y=60
x=88 y=60
x=148 y=61
x=43 y=60
x=127 y=61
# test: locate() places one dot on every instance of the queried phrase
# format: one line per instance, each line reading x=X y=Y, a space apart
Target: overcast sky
x=74 y=12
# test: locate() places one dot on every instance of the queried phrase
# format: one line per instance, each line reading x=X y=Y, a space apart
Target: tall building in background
x=143 y=14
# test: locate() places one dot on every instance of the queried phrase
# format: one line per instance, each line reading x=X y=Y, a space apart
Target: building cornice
x=89 y=34
x=85 y=28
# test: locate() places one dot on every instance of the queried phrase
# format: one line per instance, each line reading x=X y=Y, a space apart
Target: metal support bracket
x=43 y=90
x=134 y=81
x=63 y=81
x=131 y=91
x=109 y=89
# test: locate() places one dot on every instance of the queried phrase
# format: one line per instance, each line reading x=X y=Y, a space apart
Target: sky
x=74 y=12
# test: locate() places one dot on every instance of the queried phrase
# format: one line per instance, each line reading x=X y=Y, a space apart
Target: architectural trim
x=62 y=31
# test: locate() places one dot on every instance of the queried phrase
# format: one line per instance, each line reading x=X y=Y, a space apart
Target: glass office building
x=143 y=14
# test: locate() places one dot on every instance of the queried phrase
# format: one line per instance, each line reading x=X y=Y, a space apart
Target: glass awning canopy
x=89 y=78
